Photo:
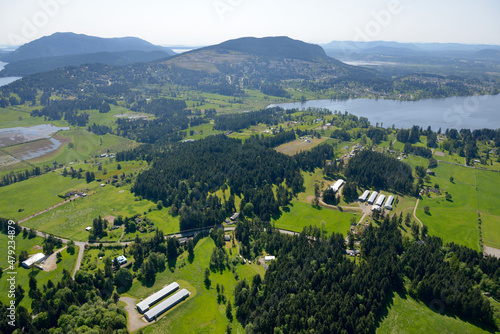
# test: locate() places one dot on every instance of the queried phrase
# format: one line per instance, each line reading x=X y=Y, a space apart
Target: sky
x=205 y=22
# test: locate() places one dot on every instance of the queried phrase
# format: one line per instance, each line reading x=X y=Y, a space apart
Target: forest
x=376 y=170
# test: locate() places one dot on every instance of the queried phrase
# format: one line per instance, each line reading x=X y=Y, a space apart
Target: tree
x=172 y=248
x=427 y=210
x=452 y=179
x=23 y=256
x=190 y=245
x=207 y=278
x=229 y=311
x=124 y=278
x=448 y=197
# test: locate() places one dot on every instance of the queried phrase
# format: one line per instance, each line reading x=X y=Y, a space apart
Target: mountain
x=62 y=44
x=270 y=59
x=31 y=66
x=282 y=46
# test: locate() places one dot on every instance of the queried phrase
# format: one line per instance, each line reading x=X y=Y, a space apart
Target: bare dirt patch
x=50 y=263
x=439 y=154
x=110 y=219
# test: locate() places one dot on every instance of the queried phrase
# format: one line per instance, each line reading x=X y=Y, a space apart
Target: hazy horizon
x=206 y=22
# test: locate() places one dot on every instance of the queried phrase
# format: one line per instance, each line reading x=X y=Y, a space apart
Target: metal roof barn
x=336 y=186
x=32 y=260
x=388 y=203
x=380 y=200
x=156 y=297
x=372 y=198
x=166 y=305
x=363 y=197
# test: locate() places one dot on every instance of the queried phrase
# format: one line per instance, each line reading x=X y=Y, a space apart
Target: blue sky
x=203 y=22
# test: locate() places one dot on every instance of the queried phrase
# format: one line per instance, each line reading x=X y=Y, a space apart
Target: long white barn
x=156 y=297
x=336 y=186
x=380 y=200
x=388 y=203
x=166 y=305
x=372 y=198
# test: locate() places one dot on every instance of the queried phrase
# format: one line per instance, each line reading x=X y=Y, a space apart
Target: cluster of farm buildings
x=377 y=200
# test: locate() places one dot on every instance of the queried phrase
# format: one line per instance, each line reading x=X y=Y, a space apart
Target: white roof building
x=32 y=260
x=363 y=197
x=336 y=186
x=144 y=305
x=372 y=198
x=269 y=258
x=166 y=305
x=380 y=200
x=388 y=203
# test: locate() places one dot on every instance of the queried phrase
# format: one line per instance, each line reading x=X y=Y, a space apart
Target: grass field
x=407 y=315
x=200 y=313
x=456 y=220
x=32 y=246
x=22 y=277
x=301 y=215
x=299 y=145
x=35 y=194
x=70 y=219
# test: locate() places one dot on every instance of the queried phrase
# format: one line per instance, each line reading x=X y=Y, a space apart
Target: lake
x=18 y=135
x=471 y=112
x=6 y=80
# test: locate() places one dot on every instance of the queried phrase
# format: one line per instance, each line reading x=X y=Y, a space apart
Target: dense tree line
x=313 y=287
x=411 y=136
x=437 y=277
x=236 y=122
x=274 y=90
x=376 y=170
x=183 y=174
x=21 y=176
x=421 y=151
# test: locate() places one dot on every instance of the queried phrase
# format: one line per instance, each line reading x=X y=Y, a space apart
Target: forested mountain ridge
x=61 y=44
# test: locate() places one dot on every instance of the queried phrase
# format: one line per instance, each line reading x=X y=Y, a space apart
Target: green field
x=407 y=315
x=301 y=215
x=71 y=219
x=200 y=312
x=456 y=220
x=32 y=246
x=22 y=277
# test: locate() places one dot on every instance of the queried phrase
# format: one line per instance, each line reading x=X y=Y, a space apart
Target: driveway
x=135 y=321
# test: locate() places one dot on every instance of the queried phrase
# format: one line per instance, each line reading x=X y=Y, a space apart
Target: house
x=430 y=172
x=388 y=203
x=166 y=305
x=32 y=260
x=102 y=185
x=144 y=305
x=234 y=216
x=372 y=198
x=88 y=228
x=352 y=252
x=268 y=258
x=363 y=197
x=336 y=186
x=121 y=259
x=227 y=237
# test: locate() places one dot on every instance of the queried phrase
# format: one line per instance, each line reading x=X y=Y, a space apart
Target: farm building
x=363 y=197
x=235 y=216
x=372 y=198
x=166 y=305
x=32 y=260
x=144 y=305
x=269 y=258
x=388 y=203
x=380 y=200
x=376 y=207
x=227 y=237
x=336 y=186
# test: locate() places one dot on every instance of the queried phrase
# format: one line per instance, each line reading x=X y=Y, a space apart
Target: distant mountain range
x=65 y=49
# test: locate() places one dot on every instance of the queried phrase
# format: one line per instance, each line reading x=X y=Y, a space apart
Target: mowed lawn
x=301 y=215
x=200 y=313
x=70 y=220
x=407 y=315
x=491 y=230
